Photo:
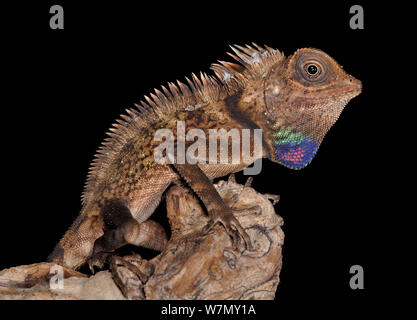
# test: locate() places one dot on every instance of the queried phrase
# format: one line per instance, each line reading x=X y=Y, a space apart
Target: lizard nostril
x=354 y=82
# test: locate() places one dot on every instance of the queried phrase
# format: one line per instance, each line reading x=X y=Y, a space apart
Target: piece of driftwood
x=76 y=286
x=193 y=265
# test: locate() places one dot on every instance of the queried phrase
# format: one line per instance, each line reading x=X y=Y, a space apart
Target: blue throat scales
x=293 y=149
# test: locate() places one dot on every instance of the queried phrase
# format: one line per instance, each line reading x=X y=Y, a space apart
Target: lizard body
x=294 y=101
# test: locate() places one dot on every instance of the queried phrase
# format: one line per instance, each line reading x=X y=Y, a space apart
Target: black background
x=64 y=88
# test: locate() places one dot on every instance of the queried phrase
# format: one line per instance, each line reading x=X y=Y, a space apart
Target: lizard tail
x=76 y=246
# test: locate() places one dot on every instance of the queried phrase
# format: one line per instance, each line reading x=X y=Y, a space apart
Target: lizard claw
x=98 y=259
x=232 y=226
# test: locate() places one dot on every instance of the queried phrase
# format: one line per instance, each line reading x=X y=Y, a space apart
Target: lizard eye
x=312 y=71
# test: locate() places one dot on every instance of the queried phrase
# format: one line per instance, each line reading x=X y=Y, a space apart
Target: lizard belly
x=147 y=196
x=219 y=170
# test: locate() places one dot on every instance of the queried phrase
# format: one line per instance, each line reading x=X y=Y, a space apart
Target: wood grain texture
x=198 y=266
x=193 y=265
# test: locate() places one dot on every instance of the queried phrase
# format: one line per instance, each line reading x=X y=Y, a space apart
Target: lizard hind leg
x=122 y=229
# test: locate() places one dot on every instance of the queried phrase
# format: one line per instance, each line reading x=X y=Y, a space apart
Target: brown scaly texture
x=293 y=106
x=160 y=106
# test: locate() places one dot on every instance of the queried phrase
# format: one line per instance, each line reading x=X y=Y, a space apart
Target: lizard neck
x=244 y=108
x=282 y=142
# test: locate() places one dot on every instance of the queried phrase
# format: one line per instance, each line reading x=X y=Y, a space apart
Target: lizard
x=294 y=100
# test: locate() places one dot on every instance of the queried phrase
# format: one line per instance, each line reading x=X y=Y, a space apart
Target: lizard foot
x=130 y=273
x=232 y=226
x=98 y=259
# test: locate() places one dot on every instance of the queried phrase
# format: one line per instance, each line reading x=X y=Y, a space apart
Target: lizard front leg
x=217 y=209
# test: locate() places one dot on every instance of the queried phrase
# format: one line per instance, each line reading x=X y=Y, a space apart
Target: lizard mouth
x=352 y=87
x=357 y=84
x=342 y=94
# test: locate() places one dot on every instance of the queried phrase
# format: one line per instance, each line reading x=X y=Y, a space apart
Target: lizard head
x=304 y=96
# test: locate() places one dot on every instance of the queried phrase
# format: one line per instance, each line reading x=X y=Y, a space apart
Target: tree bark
x=193 y=265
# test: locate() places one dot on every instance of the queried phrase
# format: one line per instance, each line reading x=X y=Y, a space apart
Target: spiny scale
x=204 y=89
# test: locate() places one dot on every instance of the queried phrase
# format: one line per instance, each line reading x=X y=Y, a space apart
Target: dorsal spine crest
x=201 y=90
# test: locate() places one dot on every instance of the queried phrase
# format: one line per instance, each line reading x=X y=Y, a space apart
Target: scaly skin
x=294 y=101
